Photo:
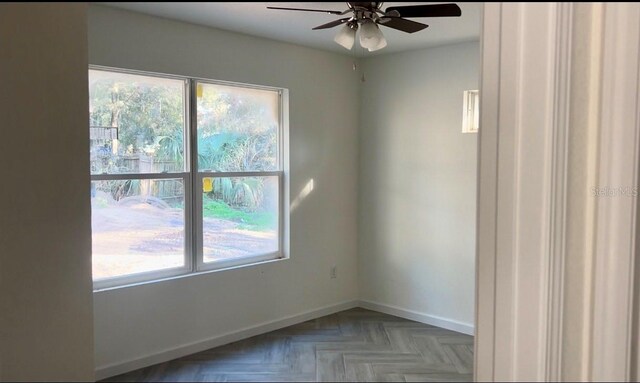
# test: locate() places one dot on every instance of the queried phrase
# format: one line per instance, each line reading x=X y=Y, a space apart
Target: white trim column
x=523 y=305
x=613 y=281
x=524 y=108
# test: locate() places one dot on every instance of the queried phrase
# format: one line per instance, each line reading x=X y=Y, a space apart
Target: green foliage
x=239 y=192
x=257 y=220
x=237 y=131
x=171 y=147
x=212 y=149
x=238 y=152
x=142 y=111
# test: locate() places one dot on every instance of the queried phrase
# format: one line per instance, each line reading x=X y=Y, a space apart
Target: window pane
x=237 y=128
x=137 y=123
x=137 y=226
x=240 y=217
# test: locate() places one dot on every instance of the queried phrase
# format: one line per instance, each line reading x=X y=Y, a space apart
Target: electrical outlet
x=333 y=272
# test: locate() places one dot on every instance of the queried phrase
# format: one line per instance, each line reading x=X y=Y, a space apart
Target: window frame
x=199 y=175
x=192 y=182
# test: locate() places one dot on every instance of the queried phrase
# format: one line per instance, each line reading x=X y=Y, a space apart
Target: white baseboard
x=194 y=347
x=449 y=324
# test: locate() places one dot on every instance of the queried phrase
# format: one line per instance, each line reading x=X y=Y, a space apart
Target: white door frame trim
x=522 y=151
x=522 y=177
x=558 y=208
x=616 y=215
x=522 y=167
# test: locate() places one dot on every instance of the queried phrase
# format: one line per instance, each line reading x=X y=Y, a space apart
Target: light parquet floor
x=352 y=345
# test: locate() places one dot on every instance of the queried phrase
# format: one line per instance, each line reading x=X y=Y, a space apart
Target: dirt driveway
x=142 y=237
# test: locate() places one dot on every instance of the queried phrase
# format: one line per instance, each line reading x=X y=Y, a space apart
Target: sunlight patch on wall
x=308 y=188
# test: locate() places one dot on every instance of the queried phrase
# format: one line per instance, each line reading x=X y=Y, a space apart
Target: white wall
x=417 y=191
x=135 y=322
x=45 y=221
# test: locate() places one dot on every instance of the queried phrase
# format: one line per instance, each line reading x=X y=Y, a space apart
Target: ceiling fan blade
x=401 y=24
x=430 y=10
x=311 y=10
x=332 y=24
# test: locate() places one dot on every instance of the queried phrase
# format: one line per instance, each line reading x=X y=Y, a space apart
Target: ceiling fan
x=366 y=16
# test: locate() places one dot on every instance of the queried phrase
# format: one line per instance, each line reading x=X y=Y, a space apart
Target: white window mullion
x=206 y=174
x=195 y=239
x=198 y=221
x=137 y=176
x=189 y=228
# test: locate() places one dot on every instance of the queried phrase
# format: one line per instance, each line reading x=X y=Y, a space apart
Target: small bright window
x=470 y=111
x=186 y=175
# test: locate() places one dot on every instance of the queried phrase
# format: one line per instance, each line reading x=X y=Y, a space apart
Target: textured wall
x=45 y=225
x=418 y=182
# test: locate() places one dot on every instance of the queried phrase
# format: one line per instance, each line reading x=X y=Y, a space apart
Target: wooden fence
x=170 y=190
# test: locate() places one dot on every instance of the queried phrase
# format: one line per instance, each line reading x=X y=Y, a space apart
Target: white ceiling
x=295 y=27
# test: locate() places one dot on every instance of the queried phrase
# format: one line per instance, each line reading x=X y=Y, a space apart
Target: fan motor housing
x=371 y=6
x=363 y=11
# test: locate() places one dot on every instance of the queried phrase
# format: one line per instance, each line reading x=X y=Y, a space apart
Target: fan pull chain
x=355 y=55
x=362 y=78
x=354 y=64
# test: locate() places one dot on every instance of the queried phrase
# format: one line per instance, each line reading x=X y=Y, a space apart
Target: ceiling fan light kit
x=367 y=16
x=346 y=35
x=382 y=44
x=370 y=36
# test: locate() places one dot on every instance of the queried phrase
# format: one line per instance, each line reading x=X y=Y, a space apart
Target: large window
x=186 y=175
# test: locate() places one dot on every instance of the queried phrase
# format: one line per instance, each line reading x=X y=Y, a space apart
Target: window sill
x=189 y=275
